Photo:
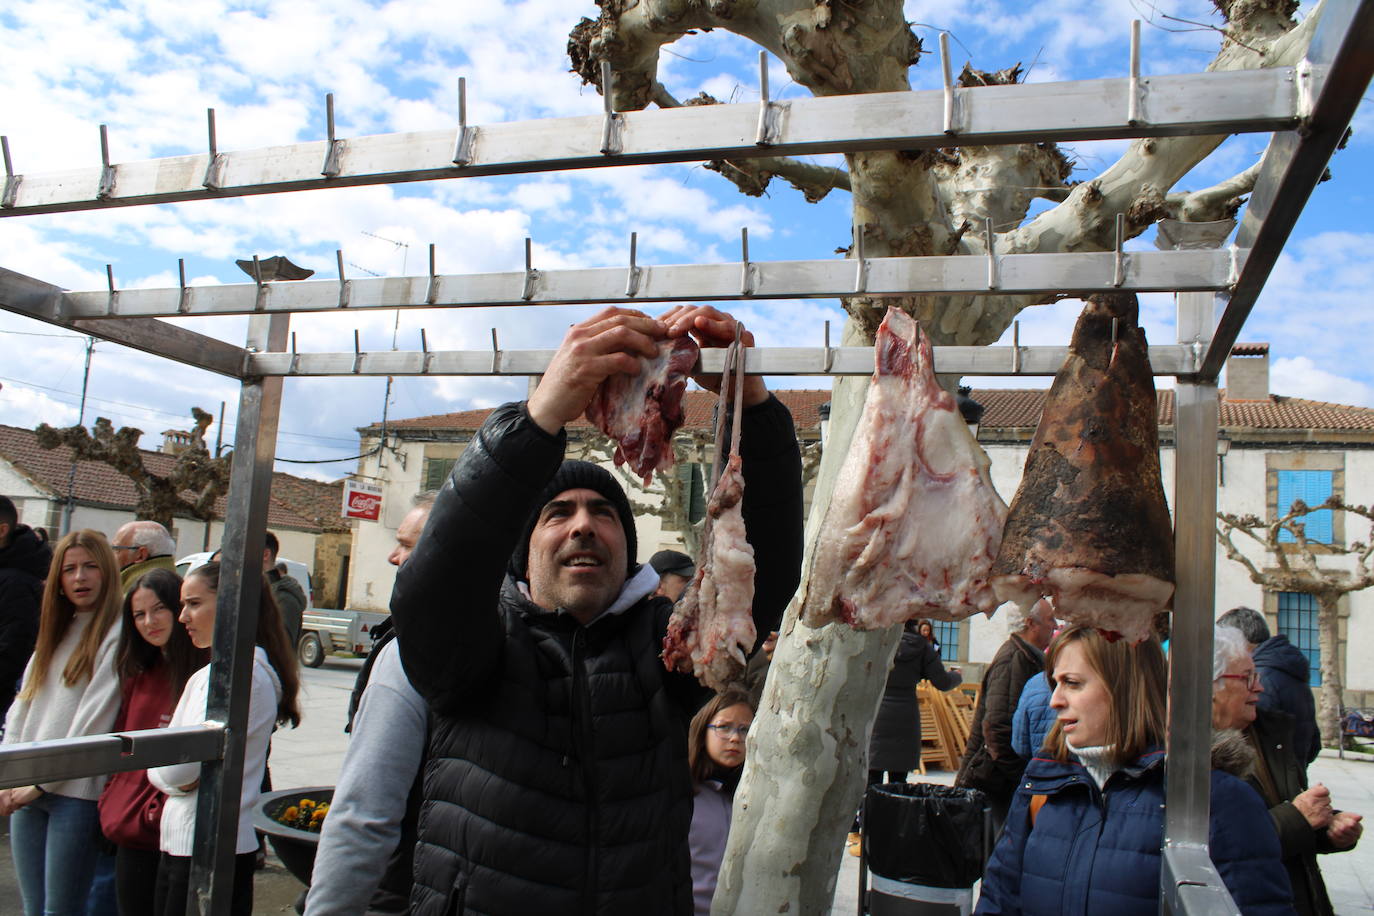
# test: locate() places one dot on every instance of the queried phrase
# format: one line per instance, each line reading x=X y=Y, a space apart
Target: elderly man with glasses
x=142 y=546
x=1306 y=822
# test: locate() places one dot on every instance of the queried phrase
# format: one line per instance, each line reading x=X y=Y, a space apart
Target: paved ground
x=311 y=756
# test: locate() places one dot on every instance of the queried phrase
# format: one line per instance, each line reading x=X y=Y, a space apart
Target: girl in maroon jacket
x=154 y=660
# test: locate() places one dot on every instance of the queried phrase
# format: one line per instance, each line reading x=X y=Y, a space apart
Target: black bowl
x=295 y=848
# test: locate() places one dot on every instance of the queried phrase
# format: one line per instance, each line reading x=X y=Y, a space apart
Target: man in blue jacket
x=1284 y=674
x=557 y=777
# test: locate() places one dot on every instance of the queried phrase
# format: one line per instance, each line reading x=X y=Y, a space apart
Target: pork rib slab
x=641 y=412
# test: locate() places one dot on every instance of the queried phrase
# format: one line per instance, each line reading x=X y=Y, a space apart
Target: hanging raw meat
x=914 y=522
x=1089 y=525
x=712 y=626
x=641 y=412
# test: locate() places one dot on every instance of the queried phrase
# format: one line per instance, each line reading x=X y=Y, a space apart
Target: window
x=1298 y=621
x=436 y=472
x=947 y=632
x=1313 y=488
x=694 y=489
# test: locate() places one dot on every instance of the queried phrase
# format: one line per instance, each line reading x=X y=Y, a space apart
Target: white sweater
x=179 y=813
x=58 y=711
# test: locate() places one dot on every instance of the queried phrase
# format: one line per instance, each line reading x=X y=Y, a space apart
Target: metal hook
x=426 y=357
x=495 y=354
x=357 y=354
x=632 y=279
x=295 y=357
x=1114 y=324
x=335 y=147
x=345 y=286
x=107 y=172
x=184 y=303
x=12 y=180
x=1133 y=100
x=990 y=239
x=531 y=275
x=828 y=359
x=948 y=77
x=746 y=280
x=462 y=151
x=261 y=302
x=1119 y=264
x=432 y=293
x=764 y=136
x=113 y=299
x=860 y=262
x=1016 y=347
x=610 y=125
x=216 y=163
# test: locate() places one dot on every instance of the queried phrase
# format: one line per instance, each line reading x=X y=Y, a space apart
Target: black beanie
x=579 y=475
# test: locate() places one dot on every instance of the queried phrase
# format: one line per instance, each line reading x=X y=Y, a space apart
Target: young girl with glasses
x=715 y=754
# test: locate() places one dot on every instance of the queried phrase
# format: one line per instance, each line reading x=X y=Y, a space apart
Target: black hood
x=26 y=553
x=1277 y=652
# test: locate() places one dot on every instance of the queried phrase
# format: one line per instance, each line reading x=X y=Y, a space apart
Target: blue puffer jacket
x=1095 y=852
x=1033 y=718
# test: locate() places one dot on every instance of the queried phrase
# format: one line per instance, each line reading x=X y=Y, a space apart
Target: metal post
x=236 y=619
x=80 y=421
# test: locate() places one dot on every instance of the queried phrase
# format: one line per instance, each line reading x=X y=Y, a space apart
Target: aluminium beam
x=1168 y=359
x=1167 y=105
x=1012 y=274
x=35 y=299
x=37 y=762
x=1191 y=885
x=1332 y=81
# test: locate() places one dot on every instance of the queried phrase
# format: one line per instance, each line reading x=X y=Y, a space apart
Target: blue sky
x=150 y=68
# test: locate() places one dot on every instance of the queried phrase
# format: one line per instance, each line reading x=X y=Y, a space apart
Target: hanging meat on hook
x=712 y=627
x=1089 y=526
x=641 y=412
x=914 y=521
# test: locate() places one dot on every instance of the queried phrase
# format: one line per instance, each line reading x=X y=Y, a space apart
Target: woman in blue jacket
x=1086 y=824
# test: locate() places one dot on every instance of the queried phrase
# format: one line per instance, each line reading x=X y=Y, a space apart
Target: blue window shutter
x=1313 y=488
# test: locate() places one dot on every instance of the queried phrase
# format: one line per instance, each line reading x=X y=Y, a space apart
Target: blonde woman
x=70 y=688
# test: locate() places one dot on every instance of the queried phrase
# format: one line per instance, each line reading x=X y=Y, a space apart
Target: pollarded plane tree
x=1327 y=571
x=804 y=777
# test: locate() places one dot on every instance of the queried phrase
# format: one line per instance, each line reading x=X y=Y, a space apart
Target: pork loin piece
x=1089 y=526
x=641 y=412
x=914 y=522
x=712 y=627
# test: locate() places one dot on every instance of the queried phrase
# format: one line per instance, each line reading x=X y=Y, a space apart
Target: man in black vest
x=557 y=780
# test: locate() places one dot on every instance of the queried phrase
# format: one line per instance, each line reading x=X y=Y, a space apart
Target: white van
x=298 y=571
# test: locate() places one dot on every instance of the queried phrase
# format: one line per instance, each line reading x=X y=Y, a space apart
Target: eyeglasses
x=1251 y=680
x=725 y=731
x=123 y=547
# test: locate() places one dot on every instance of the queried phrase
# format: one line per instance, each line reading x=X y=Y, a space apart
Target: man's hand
x=1315 y=805
x=711 y=327
x=1345 y=829
x=613 y=341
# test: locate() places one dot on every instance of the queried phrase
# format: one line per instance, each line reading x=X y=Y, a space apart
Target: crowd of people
x=517 y=745
x=101 y=634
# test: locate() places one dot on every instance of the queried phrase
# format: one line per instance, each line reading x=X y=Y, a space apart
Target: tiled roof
x=295 y=502
x=804 y=403
x=1250 y=349
x=1020 y=407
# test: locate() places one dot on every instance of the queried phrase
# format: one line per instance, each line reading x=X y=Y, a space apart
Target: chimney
x=1247 y=372
x=175 y=441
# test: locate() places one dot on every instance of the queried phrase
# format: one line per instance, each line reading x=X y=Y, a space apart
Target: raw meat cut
x=914 y=521
x=1089 y=526
x=641 y=412
x=712 y=627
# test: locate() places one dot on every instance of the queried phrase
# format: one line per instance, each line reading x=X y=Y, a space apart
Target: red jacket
x=130 y=807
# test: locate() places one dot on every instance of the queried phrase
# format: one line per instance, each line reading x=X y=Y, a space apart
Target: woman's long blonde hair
x=58 y=613
x=1137 y=684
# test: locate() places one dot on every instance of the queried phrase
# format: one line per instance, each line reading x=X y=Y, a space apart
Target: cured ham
x=1089 y=526
x=914 y=522
x=712 y=627
x=641 y=412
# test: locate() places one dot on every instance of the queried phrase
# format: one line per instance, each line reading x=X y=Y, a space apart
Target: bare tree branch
x=1221 y=201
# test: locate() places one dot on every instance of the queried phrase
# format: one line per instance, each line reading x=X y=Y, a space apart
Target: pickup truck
x=324 y=631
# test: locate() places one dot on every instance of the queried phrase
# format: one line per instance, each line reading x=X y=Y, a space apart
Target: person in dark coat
x=1083 y=834
x=1303 y=817
x=989 y=762
x=24 y=560
x=557 y=779
x=895 y=747
x=1286 y=675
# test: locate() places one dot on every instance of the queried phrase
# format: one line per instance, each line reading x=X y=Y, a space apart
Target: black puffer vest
x=564 y=789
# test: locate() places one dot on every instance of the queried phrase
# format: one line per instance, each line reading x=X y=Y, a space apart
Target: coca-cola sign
x=362 y=500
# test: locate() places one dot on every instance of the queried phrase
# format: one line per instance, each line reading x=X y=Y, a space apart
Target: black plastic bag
x=924 y=834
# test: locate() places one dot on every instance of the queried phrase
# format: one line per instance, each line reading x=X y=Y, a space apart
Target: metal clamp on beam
x=860 y=262
x=107 y=171
x=1119 y=261
x=11 y=180
x=1133 y=85
x=357 y=354
x=990 y=239
x=432 y=289
x=1191 y=885
x=426 y=357
x=216 y=164
x=184 y=300
x=610 y=124
x=767 y=131
x=295 y=357
x=344 y=289
x=531 y=275
x=947 y=75
x=112 y=302
x=632 y=278
x=462 y=150
x=260 y=302
x=334 y=150
x=746 y=278
x=495 y=354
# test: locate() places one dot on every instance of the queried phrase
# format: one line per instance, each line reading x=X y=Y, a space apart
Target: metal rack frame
x=1310 y=105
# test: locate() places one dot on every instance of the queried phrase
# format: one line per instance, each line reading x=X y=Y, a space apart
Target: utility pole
x=80 y=421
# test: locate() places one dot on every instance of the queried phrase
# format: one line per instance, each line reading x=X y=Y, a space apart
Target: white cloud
x=1300 y=376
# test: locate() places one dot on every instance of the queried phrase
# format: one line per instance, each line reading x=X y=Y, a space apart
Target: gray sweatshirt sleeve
x=364 y=821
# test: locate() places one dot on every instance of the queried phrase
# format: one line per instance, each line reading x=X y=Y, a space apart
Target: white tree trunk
x=1328 y=638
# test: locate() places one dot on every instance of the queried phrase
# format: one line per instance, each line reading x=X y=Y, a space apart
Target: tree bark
x=1329 y=709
